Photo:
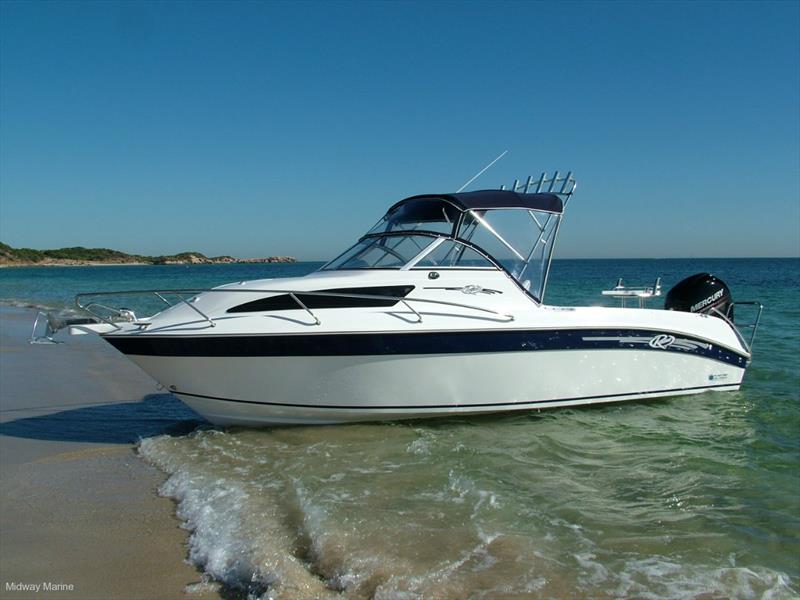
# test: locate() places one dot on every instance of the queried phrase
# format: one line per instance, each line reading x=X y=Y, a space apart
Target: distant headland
x=80 y=256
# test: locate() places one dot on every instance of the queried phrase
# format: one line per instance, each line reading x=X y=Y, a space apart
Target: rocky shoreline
x=199 y=259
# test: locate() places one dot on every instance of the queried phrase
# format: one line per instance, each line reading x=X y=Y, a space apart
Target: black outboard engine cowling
x=701 y=293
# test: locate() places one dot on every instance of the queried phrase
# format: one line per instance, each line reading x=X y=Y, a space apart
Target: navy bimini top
x=488 y=199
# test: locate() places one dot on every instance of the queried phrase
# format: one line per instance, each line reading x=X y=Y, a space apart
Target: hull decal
x=645 y=393
x=404 y=343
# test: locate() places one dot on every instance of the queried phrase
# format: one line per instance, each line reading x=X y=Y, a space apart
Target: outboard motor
x=701 y=293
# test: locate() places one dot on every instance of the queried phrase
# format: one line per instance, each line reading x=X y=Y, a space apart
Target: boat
x=437 y=310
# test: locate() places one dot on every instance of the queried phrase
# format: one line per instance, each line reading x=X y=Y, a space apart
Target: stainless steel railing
x=753 y=325
x=117 y=315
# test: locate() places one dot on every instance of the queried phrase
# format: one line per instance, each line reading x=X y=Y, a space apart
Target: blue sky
x=262 y=128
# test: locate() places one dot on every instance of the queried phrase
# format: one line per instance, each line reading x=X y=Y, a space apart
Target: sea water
x=686 y=497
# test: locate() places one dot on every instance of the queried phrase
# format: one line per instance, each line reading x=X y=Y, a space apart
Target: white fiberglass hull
x=279 y=364
x=335 y=389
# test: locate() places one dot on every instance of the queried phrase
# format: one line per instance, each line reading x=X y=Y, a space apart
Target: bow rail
x=125 y=315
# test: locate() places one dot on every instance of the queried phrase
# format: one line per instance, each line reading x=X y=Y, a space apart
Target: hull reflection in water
x=648 y=501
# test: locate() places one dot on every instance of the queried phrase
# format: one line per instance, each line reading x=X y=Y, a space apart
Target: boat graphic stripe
x=634 y=395
x=403 y=343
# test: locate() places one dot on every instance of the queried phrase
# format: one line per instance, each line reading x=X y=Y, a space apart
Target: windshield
x=410 y=251
x=381 y=252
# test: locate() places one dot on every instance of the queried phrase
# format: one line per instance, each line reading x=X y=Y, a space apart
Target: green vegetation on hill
x=92 y=254
x=79 y=254
x=20 y=254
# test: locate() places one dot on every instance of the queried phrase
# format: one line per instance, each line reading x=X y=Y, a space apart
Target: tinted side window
x=285 y=301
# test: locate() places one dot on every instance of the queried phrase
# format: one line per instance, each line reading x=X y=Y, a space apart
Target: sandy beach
x=79 y=511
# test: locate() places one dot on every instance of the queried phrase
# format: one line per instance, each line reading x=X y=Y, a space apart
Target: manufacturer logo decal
x=661 y=342
x=710 y=300
x=467 y=289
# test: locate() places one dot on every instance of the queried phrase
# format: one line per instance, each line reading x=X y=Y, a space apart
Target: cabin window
x=286 y=302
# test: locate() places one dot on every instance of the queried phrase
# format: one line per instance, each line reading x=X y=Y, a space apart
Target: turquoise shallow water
x=695 y=496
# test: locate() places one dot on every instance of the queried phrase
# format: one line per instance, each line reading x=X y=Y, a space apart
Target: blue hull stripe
x=438 y=342
x=488 y=405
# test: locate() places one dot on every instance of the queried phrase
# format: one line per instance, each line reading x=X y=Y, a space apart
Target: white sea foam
x=419 y=446
x=658 y=578
x=205 y=586
x=211 y=509
x=233 y=539
x=592 y=572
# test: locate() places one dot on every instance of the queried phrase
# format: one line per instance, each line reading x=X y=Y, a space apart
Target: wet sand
x=78 y=507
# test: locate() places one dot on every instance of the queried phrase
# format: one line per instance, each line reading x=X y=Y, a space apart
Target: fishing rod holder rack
x=561 y=185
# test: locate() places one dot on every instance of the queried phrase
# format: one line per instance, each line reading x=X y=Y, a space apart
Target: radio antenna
x=481 y=172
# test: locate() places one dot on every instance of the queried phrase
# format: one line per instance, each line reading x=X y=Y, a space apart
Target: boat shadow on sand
x=115 y=423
